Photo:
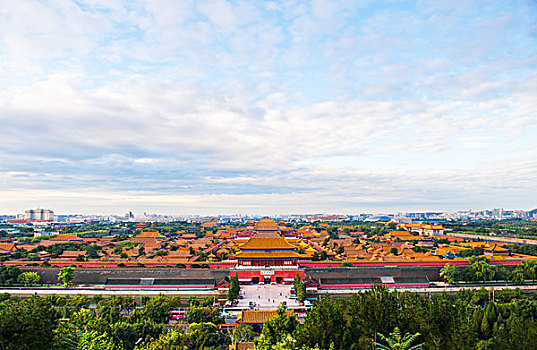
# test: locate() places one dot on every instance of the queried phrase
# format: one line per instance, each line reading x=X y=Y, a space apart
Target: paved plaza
x=266 y=297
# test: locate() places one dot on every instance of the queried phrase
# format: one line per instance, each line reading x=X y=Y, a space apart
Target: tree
x=157 y=309
x=28 y=278
x=287 y=343
x=502 y=274
x=174 y=340
x=300 y=289
x=27 y=324
x=197 y=314
x=243 y=333
x=93 y=341
x=234 y=288
x=203 y=336
x=394 y=251
x=373 y=312
x=517 y=277
x=325 y=325
x=450 y=273
x=398 y=342
x=278 y=327
x=9 y=274
x=529 y=268
x=481 y=268
x=66 y=276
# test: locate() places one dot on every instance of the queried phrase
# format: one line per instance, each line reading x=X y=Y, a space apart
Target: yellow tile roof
x=264 y=255
x=256 y=316
x=267 y=243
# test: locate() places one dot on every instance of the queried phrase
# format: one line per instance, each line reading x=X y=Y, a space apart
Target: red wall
x=248 y=274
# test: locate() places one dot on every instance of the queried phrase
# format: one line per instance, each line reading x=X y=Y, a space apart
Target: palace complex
x=265 y=251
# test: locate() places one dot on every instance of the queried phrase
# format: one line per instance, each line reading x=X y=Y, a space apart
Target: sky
x=267 y=107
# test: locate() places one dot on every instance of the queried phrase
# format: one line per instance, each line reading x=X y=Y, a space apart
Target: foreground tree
x=277 y=328
x=242 y=333
x=174 y=340
x=157 y=309
x=287 y=343
x=203 y=336
x=95 y=341
x=325 y=326
x=398 y=342
x=27 y=324
x=9 y=274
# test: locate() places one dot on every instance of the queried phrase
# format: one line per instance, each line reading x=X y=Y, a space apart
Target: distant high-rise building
x=38 y=214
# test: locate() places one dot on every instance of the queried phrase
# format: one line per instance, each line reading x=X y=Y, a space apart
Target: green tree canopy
x=28 y=278
x=66 y=276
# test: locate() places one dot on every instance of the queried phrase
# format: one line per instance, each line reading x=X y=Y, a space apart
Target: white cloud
x=229 y=105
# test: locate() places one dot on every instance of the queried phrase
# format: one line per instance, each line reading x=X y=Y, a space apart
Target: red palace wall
x=276 y=276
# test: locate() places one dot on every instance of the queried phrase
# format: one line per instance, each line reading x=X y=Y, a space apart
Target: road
x=267 y=297
x=106 y=292
x=447 y=289
x=511 y=240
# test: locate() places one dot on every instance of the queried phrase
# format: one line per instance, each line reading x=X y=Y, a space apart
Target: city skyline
x=267 y=107
x=478 y=214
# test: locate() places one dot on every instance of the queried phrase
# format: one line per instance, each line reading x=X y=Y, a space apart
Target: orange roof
x=7 y=247
x=267 y=226
x=72 y=253
x=179 y=254
x=267 y=243
x=400 y=233
x=65 y=237
x=433 y=227
x=265 y=255
x=150 y=234
x=259 y=316
x=497 y=248
x=210 y=223
x=256 y=316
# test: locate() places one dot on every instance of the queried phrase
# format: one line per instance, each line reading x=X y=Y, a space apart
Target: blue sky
x=267 y=107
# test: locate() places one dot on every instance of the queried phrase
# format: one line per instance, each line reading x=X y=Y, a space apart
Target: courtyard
x=266 y=296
